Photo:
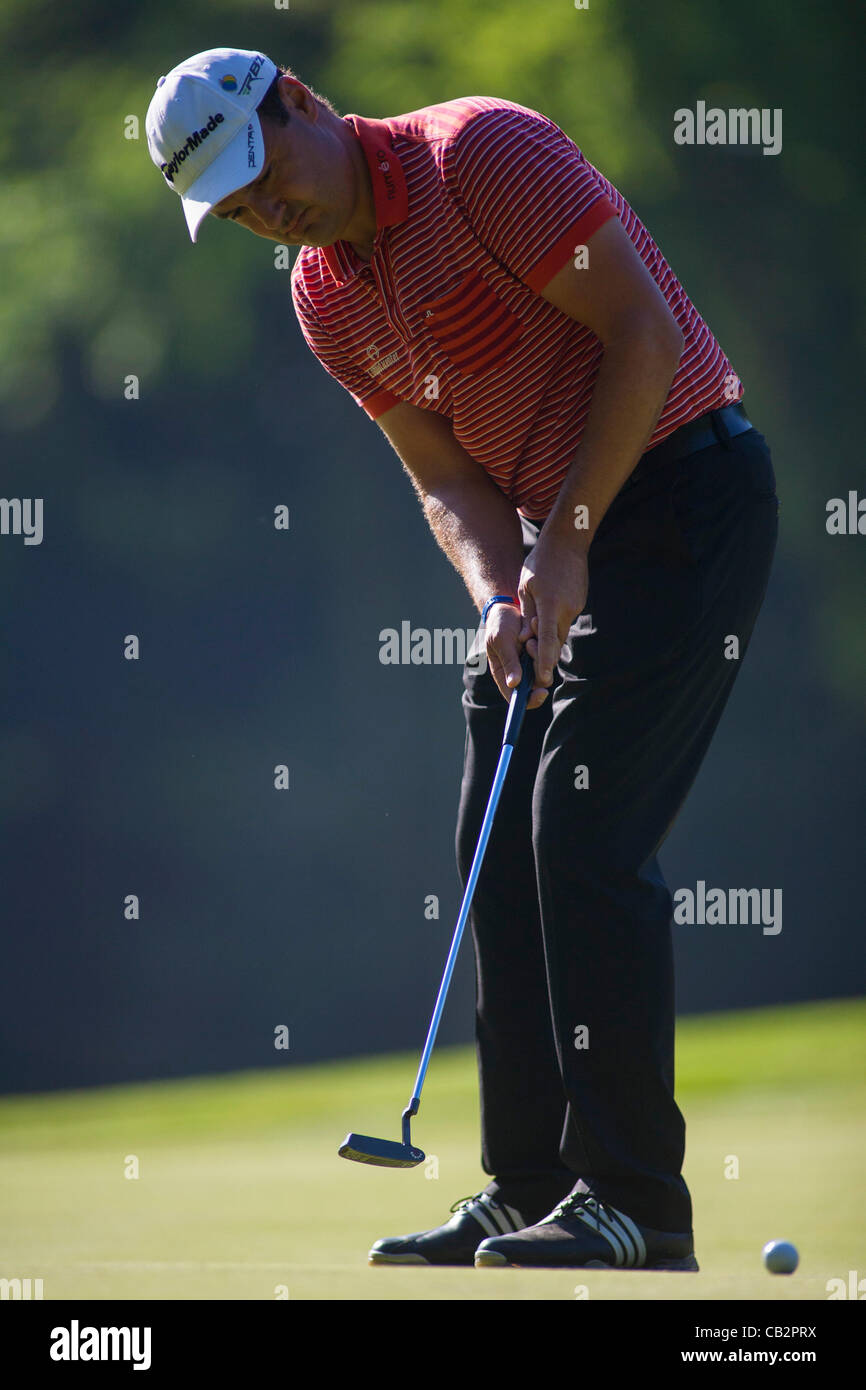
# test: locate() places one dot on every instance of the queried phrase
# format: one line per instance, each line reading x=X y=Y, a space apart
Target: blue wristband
x=497 y=598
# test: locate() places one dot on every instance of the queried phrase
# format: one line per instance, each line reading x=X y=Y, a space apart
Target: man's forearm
x=628 y=397
x=479 y=530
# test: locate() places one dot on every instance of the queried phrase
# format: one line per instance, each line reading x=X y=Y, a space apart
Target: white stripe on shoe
x=503 y=1216
x=483 y=1220
x=516 y=1217
x=622 y=1248
x=502 y=1221
x=496 y=1220
x=620 y=1232
x=634 y=1231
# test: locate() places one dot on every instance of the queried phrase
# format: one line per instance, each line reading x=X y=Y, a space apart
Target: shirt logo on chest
x=377 y=363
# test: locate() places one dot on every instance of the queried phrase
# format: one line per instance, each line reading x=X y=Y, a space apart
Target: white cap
x=202 y=128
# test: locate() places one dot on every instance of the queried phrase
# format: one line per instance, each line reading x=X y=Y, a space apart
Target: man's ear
x=295 y=96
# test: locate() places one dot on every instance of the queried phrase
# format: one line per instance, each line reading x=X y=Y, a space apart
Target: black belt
x=716 y=427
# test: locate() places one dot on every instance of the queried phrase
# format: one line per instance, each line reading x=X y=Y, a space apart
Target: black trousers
x=571 y=918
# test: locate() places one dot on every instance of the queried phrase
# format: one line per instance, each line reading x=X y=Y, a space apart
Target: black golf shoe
x=585 y=1233
x=454 y=1243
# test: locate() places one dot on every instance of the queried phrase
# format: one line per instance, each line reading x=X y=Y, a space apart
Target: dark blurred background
x=259 y=647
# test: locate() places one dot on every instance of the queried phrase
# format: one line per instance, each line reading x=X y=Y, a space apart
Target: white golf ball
x=780 y=1257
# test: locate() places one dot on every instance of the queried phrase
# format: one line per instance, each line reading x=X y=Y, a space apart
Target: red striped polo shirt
x=479 y=203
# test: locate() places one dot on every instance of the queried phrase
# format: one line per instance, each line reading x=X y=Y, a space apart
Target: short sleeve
x=336 y=361
x=528 y=192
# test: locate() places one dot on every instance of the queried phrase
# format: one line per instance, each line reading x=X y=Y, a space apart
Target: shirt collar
x=389 y=192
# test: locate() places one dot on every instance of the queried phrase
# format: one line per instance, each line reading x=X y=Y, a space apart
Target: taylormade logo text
x=76 y=1343
x=192 y=143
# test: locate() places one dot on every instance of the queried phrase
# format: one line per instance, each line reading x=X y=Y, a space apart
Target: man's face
x=307 y=192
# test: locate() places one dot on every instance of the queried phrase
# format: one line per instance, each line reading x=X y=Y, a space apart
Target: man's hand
x=504 y=646
x=502 y=633
x=553 y=587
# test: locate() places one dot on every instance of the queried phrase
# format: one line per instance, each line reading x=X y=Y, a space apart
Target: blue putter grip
x=519 y=697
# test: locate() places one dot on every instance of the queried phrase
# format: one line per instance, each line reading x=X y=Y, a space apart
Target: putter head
x=385 y=1153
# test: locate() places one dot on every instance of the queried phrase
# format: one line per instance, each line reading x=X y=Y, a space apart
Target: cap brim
x=238 y=164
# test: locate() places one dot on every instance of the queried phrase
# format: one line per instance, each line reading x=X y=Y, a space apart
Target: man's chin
x=314 y=239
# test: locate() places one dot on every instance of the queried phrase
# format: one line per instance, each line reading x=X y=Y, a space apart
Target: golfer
x=577 y=440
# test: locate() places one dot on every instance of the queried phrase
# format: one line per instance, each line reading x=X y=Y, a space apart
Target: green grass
x=241 y=1194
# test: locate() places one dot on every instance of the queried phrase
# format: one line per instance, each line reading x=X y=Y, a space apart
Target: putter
x=388 y=1153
